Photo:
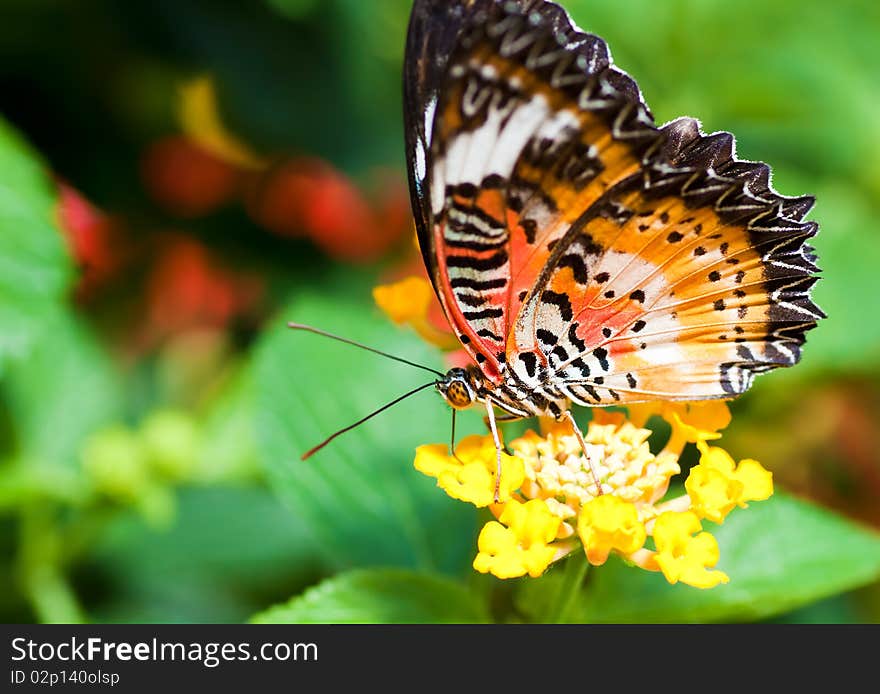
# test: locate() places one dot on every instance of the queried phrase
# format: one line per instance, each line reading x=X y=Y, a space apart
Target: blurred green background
x=178 y=178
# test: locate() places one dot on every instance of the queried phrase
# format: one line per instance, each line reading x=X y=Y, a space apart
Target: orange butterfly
x=582 y=253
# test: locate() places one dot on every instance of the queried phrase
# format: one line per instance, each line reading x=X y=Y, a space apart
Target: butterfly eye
x=456 y=389
x=459 y=394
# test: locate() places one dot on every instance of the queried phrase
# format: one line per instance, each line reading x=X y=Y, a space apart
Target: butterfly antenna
x=364 y=419
x=309 y=328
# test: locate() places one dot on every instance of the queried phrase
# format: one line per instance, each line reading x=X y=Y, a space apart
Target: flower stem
x=569 y=586
x=39 y=568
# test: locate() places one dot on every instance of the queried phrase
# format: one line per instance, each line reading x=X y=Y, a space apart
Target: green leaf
x=34 y=266
x=228 y=450
x=231 y=551
x=380 y=596
x=61 y=392
x=780 y=554
x=360 y=495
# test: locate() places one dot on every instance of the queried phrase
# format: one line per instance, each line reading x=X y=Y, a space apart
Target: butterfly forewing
x=579 y=248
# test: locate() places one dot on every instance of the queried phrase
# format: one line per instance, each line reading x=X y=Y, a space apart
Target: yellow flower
x=691 y=421
x=682 y=555
x=407 y=302
x=717 y=484
x=519 y=543
x=609 y=497
x=471 y=476
x=608 y=523
x=404 y=301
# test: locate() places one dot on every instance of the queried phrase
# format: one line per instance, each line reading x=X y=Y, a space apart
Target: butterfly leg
x=492 y=426
x=569 y=417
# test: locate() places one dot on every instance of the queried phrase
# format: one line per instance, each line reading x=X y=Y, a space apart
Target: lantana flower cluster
x=549 y=504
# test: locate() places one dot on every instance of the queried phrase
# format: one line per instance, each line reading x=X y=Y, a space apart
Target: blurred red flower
x=190 y=288
x=94 y=238
x=279 y=197
x=187 y=180
x=307 y=196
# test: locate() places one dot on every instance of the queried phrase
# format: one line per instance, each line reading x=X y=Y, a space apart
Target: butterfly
x=582 y=253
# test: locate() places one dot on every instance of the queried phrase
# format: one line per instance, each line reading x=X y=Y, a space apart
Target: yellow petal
x=200 y=120
x=691 y=433
x=716 y=458
x=521 y=547
x=602 y=417
x=713 y=494
x=748 y=481
x=406 y=301
x=640 y=413
x=757 y=482
x=682 y=556
x=472 y=447
x=703 y=552
x=708 y=415
x=533 y=522
x=607 y=523
x=433 y=459
x=499 y=552
x=471 y=476
x=693 y=422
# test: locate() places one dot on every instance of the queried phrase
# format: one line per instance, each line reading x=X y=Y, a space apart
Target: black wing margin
x=434 y=29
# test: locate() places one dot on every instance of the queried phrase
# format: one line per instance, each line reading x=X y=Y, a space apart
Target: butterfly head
x=458 y=388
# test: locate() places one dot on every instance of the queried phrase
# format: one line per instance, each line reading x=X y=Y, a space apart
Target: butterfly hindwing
x=696 y=281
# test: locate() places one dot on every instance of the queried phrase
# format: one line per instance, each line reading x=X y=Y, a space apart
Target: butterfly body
x=464 y=388
x=581 y=252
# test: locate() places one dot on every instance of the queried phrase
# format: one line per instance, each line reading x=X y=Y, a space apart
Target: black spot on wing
x=578 y=267
x=493 y=262
x=470 y=300
x=530 y=361
x=485 y=313
x=548 y=296
x=578 y=343
x=560 y=353
x=488 y=334
x=581 y=366
x=546 y=336
x=592 y=392
x=477 y=285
